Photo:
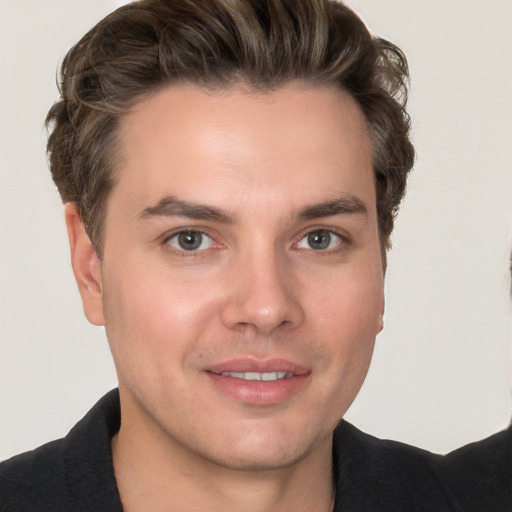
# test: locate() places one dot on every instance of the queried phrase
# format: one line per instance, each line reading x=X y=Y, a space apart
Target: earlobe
x=381 y=316
x=86 y=266
x=381 y=323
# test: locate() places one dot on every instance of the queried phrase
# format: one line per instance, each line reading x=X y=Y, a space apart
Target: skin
x=246 y=168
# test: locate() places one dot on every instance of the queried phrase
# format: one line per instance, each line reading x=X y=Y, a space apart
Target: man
x=231 y=172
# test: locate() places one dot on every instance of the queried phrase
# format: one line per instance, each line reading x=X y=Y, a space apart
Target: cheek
x=350 y=307
x=154 y=312
x=346 y=316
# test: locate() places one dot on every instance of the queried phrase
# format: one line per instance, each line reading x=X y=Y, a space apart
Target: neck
x=154 y=473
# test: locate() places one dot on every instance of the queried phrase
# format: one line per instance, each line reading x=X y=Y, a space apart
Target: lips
x=260 y=366
x=258 y=382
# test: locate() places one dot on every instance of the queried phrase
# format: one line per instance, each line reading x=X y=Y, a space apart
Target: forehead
x=239 y=144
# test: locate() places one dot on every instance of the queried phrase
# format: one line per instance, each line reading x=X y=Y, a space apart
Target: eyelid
x=193 y=229
x=184 y=229
x=344 y=238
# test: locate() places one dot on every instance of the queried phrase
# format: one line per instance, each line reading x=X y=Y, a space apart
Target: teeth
x=267 y=376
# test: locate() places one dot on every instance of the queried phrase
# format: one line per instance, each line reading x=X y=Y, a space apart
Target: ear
x=86 y=266
x=381 y=317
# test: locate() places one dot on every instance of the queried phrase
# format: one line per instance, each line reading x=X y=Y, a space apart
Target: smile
x=266 y=376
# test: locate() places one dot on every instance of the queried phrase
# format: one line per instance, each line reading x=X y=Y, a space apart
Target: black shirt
x=76 y=473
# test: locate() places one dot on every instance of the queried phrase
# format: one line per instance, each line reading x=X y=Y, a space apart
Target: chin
x=259 y=461
x=270 y=451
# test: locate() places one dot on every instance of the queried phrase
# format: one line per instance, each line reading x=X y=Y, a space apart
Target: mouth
x=261 y=376
x=258 y=382
x=254 y=368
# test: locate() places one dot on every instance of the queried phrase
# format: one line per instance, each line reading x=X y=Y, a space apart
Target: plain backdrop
x=441 y=374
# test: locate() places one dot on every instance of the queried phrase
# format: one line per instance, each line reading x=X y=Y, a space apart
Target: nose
x=263 y=296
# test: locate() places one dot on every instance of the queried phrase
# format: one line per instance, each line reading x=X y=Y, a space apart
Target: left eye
x=320 y=240
x=190 y=241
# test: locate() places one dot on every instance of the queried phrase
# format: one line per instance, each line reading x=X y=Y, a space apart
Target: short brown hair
x=146 y=45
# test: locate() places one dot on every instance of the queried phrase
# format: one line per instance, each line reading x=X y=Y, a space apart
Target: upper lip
x=252 y=364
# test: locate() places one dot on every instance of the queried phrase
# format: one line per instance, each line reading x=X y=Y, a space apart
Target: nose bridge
x=264 y=294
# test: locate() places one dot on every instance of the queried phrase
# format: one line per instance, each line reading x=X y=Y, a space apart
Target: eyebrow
x=344 y=205
x=170 y=206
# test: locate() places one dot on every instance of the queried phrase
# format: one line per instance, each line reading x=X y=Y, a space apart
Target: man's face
x=241 y=243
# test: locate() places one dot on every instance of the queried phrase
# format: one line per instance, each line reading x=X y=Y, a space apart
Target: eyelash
x=344 y=240
x=184 y=252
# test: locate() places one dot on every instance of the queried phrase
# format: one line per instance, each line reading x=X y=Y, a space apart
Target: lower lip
x=259 y=392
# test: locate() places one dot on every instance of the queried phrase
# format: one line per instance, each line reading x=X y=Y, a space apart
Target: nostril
x=245 y=327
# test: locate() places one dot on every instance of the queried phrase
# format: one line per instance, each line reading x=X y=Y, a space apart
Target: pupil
x=319 y=240
x=190 y=240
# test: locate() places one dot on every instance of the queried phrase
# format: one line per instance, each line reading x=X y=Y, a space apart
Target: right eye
x=190 y=241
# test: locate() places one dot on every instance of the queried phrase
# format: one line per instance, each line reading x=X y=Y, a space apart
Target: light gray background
x=441 y=375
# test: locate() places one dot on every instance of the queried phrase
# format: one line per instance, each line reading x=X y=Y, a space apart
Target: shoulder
x=33 y=477
x=73 y=473
x=389 y=475
x=493 y=453
x=382 y=474
x=480 y=473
